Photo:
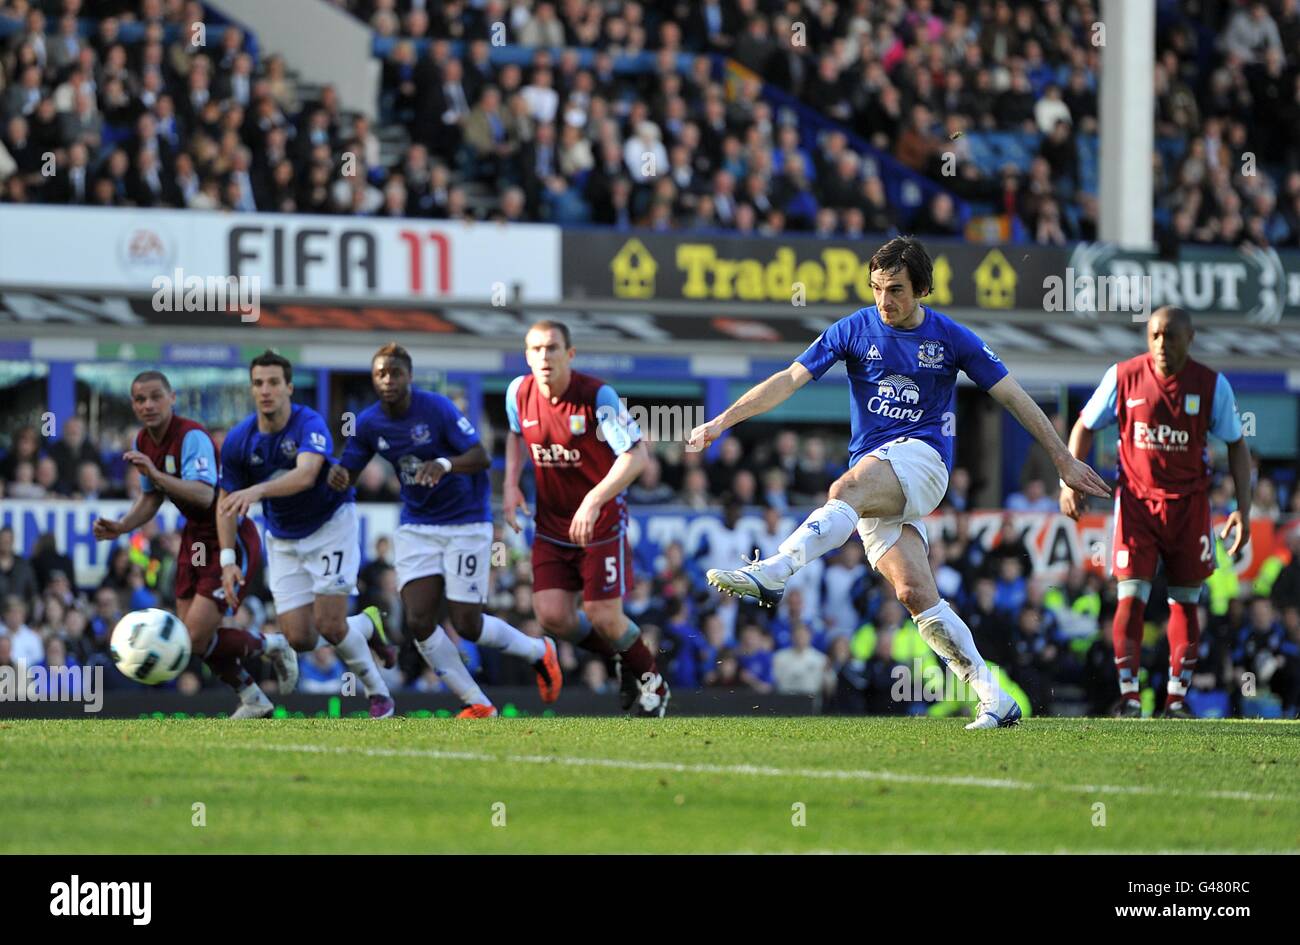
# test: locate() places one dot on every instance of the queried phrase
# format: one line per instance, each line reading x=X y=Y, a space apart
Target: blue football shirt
x=249 y=457
x=901 y=381
x=431 y=427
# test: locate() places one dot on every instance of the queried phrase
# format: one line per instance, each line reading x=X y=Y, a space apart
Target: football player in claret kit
x=279 y=456
x=177 y=460
x=902 y=359
x=1165 y=403
x=585 y=451
x=444 y=539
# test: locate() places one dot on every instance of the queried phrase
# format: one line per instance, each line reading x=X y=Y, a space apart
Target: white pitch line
x=828 y=774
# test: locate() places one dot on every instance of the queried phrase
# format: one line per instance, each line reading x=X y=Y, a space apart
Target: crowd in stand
x=152 y=117
x=839 y=634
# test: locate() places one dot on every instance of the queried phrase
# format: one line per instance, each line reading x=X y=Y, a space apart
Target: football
x=150 y=646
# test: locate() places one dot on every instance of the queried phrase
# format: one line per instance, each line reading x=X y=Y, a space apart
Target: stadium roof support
x=1126 y=35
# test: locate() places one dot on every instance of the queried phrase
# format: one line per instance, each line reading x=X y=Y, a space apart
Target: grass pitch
x=622 y=785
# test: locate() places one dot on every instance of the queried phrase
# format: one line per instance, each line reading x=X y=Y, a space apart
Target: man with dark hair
x=279 y=456
x=444 y=540
x=177 y=460
x=902 y=359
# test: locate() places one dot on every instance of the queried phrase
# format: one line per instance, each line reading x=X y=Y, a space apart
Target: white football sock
x=499 y=635
x=949 y=637
x=356 y=654
x=362 y=625
x=823 y=531
x=441 y=654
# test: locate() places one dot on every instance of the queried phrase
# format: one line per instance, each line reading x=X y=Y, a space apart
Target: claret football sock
x=1127 y=630
x=950 y=638
x=225 y=657
x=591 y=641
x=499 y=635
x=1184 y=645
x=441 y=654
x=823 y=531
x=355 y=652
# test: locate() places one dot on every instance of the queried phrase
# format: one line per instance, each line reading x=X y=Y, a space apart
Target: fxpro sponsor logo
x=1160 y=436
x=23 y=683
x=77 y=898
x=555 y=454
x=894 y=394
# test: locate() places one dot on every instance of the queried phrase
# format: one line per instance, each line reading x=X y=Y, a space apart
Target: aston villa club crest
x=930 y=354
x=1192 y=405
x=420 y=434
x=169 y=464
x=578 y=424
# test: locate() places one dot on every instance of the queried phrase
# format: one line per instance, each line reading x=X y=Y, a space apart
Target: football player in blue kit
x=444 y=540
x=902 y=360
x=280 y=456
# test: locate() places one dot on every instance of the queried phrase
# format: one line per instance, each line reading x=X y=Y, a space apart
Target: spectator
x=799 y=669
x=17 y=579
x=27 y=648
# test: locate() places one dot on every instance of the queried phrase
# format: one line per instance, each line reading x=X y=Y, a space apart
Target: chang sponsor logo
x=893 y=393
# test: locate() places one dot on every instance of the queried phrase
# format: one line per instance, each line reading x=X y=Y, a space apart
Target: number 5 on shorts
x=611 y=571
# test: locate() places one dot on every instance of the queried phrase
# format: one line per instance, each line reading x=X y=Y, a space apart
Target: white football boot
x=1003 y=713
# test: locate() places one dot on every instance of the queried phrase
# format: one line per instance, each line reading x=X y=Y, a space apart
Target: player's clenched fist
x=106 y=529
x=1071 y=503
x=511 y=502
x=338 y=478
x=704 y=435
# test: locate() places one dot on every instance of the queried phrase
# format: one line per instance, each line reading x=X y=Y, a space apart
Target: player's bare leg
x=868 y=490
x=422 y=606
x=225 y=650
x=348 y=636
x=1127 y=629
x=906 y=566
x=472 y=624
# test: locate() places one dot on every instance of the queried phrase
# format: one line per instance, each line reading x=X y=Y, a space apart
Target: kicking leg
x=906 y=565
x=869 y=490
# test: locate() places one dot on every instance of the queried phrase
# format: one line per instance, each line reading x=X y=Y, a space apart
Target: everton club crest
x=930 y=354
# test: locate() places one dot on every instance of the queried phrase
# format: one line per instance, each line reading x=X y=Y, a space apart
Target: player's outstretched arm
x=512 y=499
x=1075 y=473
x=144 y=508
x=302 y=478
x=1239 y=520
x=760 y=398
